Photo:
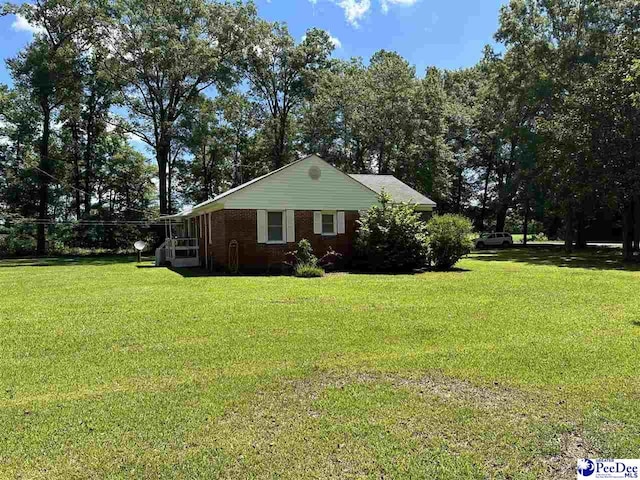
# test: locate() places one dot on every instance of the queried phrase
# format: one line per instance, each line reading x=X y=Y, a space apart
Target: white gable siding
x=293 y=188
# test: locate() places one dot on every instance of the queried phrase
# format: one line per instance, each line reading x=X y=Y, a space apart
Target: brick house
x=252 y=226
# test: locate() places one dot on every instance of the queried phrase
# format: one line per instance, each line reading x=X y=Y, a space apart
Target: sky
x=443 y=33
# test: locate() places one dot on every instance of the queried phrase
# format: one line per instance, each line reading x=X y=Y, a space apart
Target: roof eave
x=176 y=216
x=212 y=205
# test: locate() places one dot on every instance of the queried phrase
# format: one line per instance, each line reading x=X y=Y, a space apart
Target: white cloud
x=354 y=10
x=21 y=24
x=335 y=40
x=384 y=4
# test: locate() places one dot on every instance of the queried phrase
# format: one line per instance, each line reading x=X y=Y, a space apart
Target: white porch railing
x=179 y=252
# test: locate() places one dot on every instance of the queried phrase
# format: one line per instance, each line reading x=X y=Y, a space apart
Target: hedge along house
x=252 y=226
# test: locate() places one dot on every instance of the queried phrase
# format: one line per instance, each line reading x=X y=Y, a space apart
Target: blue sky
x=445 y=33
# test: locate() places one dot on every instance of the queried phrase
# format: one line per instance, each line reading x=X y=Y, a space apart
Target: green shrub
x=20 y=240
x=449 y=240
x=331 y=261
x=303 y=261
x=304 y=253
x=307 y=270
x=391 y=237
x=538 y=237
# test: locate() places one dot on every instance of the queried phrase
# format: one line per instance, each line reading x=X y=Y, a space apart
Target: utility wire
x=82 y=222
x=51 y=221
x=78 y=189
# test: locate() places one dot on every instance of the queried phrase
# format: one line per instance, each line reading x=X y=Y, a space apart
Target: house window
x=328 y=224
x=275 y=227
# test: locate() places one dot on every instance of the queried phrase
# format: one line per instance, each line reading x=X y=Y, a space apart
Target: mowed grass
x=511 y=367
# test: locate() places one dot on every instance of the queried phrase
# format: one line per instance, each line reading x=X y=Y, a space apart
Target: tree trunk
x=501 y=213
x=283 y=139
x=205 y=174
x=170 y=187
x=627 y=232
x=211 y=181
x=459 y=192
x=18 y=152
x=568 y=230
x=237 y=167
x=581 y=239
x=525 y=223
x=505 y=195
x=88 y=157
x=162 y=158
x=554 y=226
x=382 y=166
x=43 y=193
x=279 y=140
x=359 y=160
x=501 y=217
x=76 y=167
x=636 y=222
x=485 y=195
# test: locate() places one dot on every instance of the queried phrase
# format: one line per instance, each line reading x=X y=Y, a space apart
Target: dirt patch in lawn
x=386 y=425
x=573 y=447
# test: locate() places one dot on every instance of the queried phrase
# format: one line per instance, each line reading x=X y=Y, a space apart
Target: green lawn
x=511 y=367
x=519 y=237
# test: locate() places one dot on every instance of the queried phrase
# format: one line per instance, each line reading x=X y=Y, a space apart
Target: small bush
x=538 y=237
x=307 y=270
x=392 y=237
x=331 y=260
x=449 y=240
x=303 y=254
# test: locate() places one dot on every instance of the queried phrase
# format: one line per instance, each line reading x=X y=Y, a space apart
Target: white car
x=498 y=239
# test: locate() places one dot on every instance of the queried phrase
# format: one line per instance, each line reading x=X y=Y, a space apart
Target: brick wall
x=218 y=246
x=241 y=225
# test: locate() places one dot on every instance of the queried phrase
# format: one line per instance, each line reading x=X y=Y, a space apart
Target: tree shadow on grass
x=592 y=258
x=196 y=272
x=68 y=261
x=414 y=272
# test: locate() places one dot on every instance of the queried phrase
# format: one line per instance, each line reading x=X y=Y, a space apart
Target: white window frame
x=334 y=214
x=284 y=228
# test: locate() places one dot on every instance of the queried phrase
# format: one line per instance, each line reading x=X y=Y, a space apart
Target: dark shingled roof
x=399 y=191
